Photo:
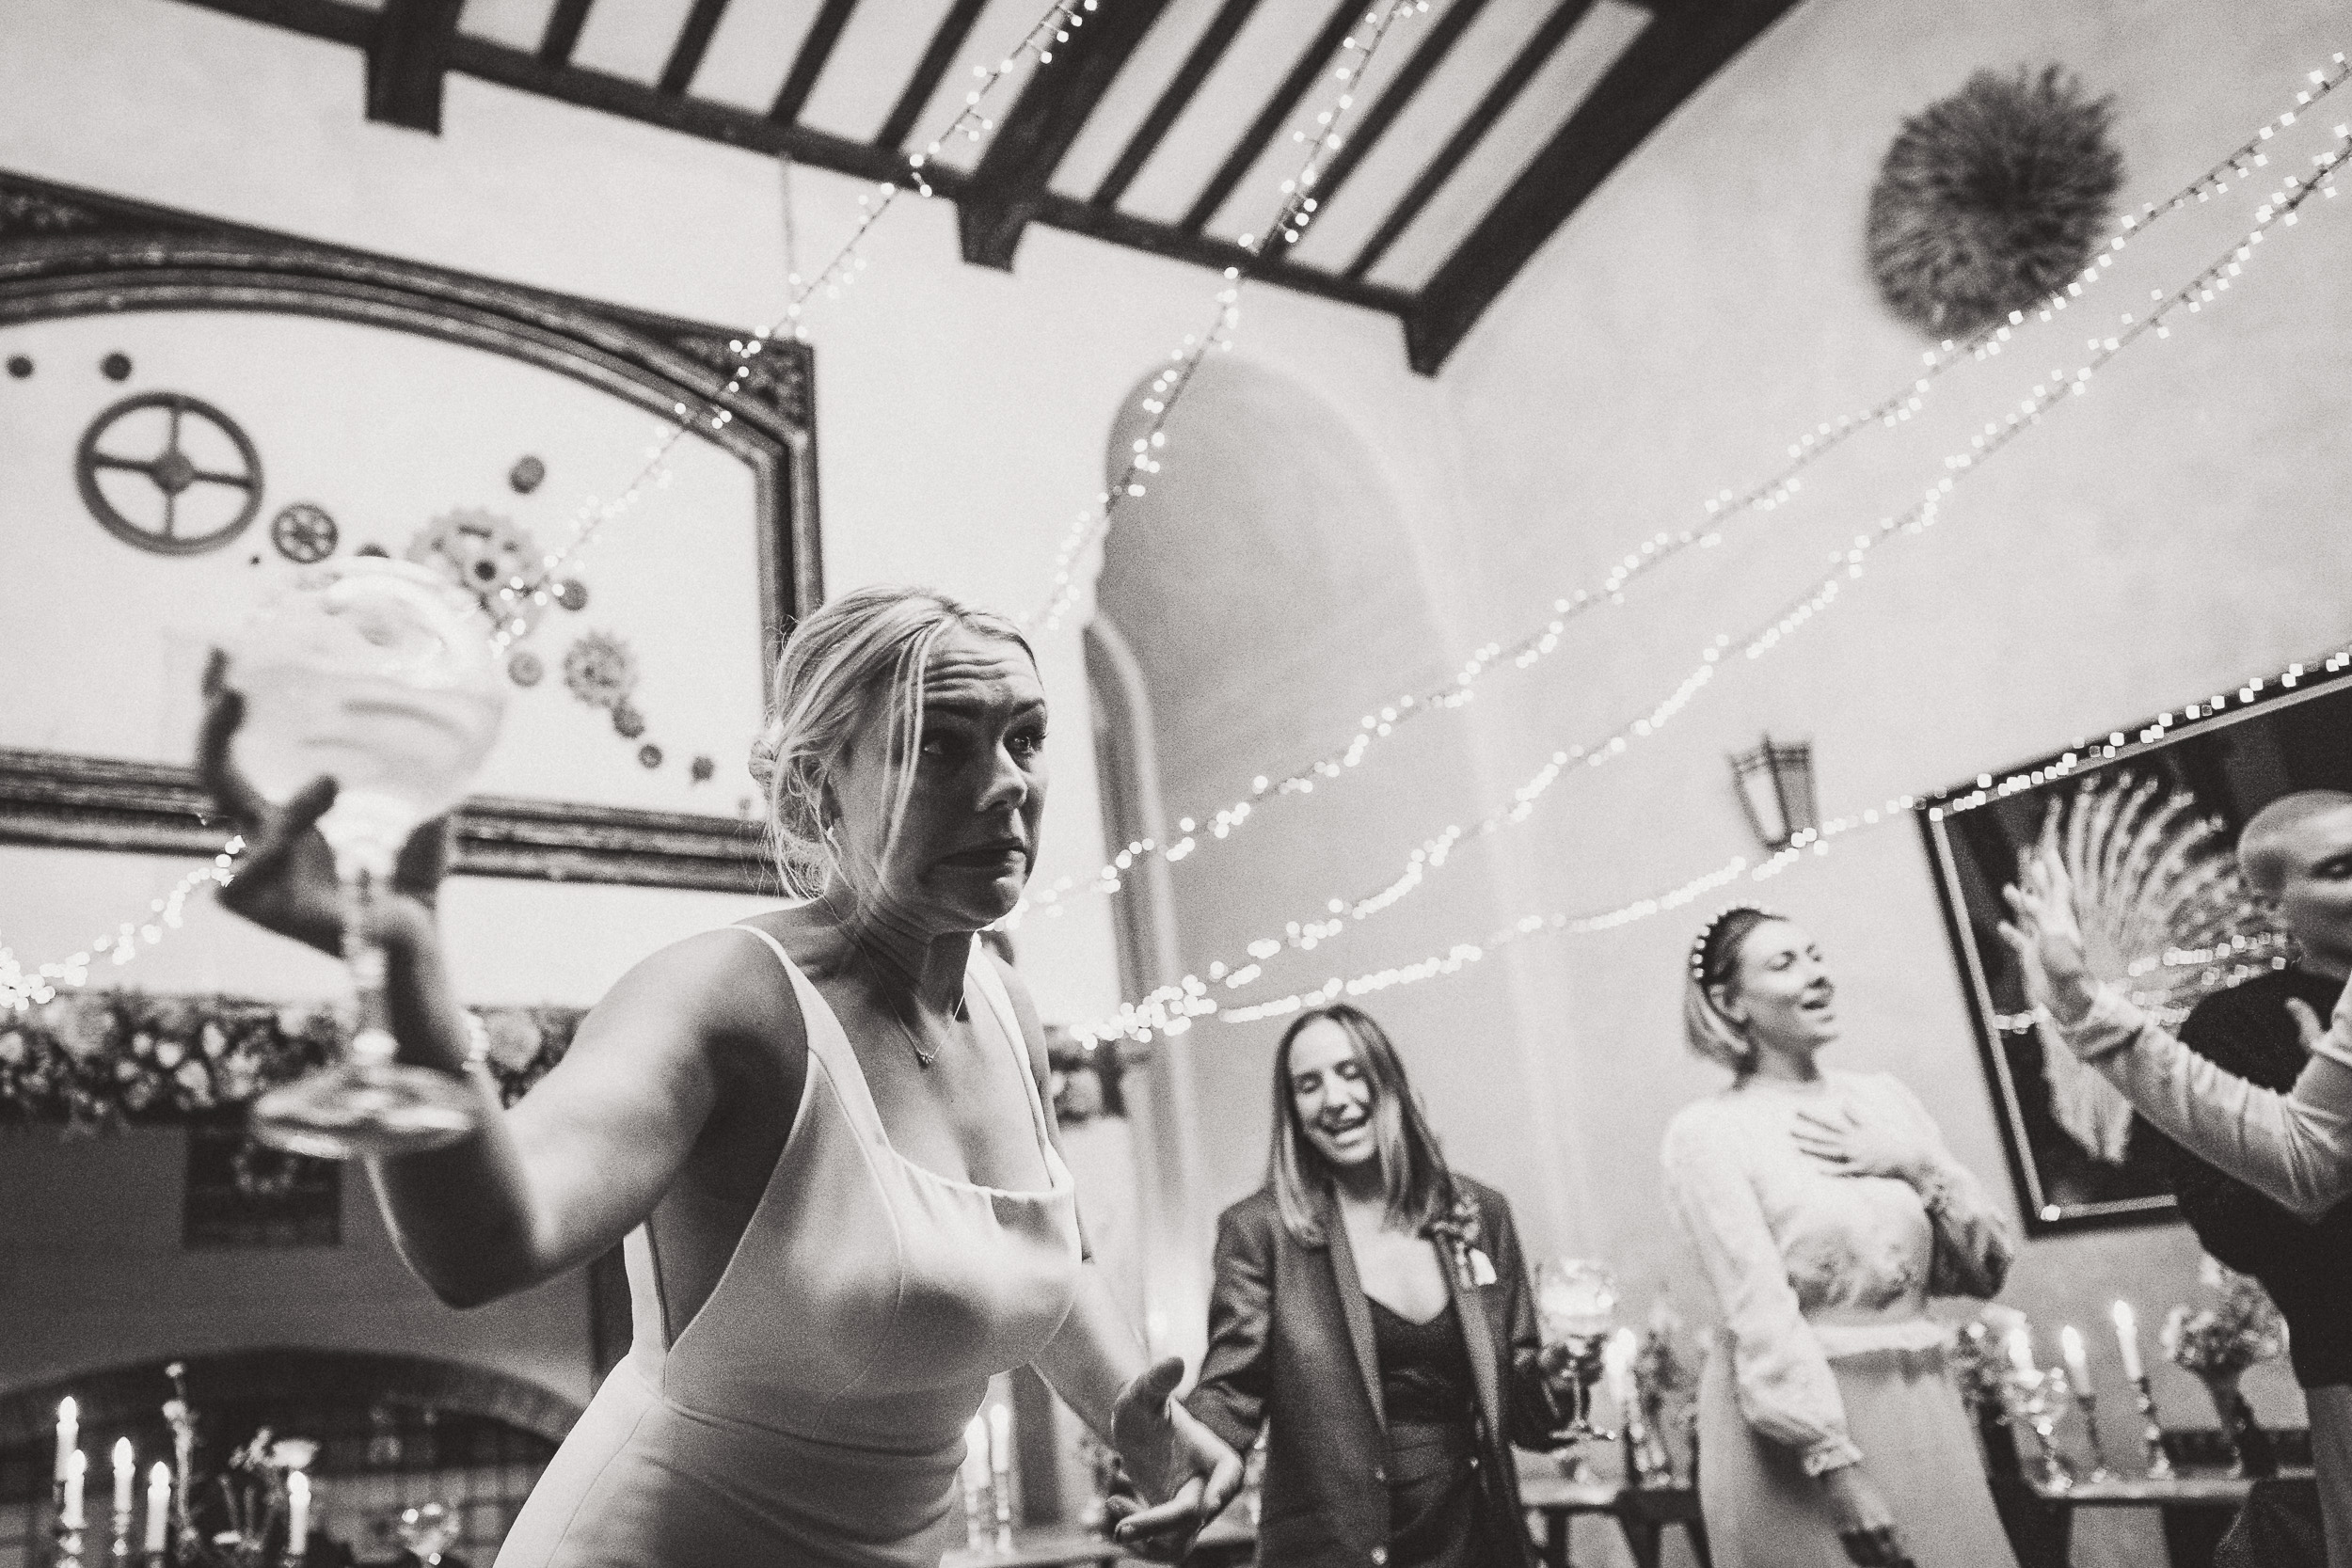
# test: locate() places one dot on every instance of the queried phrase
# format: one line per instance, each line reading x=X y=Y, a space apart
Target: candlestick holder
x=2151 y=1431
x=1649 y=1464
x=68 y=1546
x=1000 y=1489
x=2089 y=1403
x=975 y=1519
x=121 y=1551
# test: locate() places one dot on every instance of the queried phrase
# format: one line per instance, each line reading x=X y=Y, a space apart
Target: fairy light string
x=1323 y=139
x=1176 y=1009
x=1190 y=996
x=1762 y=497
x=20 y=987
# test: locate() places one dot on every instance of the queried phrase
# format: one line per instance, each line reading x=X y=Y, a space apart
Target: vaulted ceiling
x=1165 y=125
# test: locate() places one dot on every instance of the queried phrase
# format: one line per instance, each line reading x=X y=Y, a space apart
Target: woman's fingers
x=223 y=712
x=296 y=817
x=1172 y=1523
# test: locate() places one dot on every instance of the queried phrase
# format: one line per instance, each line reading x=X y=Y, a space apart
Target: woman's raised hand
x=286 y=881
x=2047 y=939
x=1173 y=1459
x=1866 y=1526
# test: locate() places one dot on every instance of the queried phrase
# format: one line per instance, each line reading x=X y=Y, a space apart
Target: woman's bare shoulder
x=714 y=986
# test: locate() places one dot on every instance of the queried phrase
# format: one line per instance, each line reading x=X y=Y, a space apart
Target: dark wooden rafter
x=809 y=64
x=1367 y=132
x=693 y=42
x=1269 y=124
x=1009 y=185
x=408 y=58
x=1497 y=97
x=1200 y=60
x=947 y=38
x=561 y=34
x=1672 y=59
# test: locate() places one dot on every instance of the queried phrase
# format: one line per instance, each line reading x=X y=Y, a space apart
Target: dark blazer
x=1291 y=1348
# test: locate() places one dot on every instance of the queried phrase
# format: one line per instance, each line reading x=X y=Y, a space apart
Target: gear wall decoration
x=600 y=669
x=1992 y=198
x=304 y=533
x=171 y=473
x=482 y=552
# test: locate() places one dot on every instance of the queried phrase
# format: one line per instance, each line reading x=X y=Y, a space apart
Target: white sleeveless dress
x=813 y=1411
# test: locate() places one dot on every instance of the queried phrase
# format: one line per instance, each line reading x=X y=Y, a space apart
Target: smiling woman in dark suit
x=1372 y=1310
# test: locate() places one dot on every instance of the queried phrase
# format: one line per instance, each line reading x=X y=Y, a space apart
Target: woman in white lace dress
x=1826 y=1210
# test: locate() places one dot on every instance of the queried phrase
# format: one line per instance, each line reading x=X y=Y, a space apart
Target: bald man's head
x=2292 y=831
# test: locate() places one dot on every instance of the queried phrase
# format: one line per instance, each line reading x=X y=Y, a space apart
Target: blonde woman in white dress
x=1826 y=1211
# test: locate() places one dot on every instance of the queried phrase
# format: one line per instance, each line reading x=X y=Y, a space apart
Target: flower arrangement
x=97 y=1059
x=2223 y=1339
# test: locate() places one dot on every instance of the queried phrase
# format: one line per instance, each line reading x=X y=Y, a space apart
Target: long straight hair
x=1414 y=1176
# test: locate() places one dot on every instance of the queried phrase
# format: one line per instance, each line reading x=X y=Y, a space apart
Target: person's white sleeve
x=1786 y=1390
x=1974 y=1241
x=2296 y=1147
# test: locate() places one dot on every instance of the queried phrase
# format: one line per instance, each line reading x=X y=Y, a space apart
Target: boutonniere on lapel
x=1458 y=1233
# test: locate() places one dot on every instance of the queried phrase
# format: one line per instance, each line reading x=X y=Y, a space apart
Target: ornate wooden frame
x=68 y=252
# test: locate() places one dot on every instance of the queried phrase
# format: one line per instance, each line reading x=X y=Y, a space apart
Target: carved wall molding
x=69 y=252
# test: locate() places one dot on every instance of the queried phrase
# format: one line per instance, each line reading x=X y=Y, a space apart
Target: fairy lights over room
x=1206 y=826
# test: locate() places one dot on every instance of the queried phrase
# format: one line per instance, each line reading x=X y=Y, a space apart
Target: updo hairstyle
x=1715 y=961
x=858 y=662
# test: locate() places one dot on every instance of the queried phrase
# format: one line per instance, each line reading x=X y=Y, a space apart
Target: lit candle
x=2078 y=1364
x=77 y=1467
x=297 y=1512
x=68 y=1436
x=2021 y=1349
x=126 y=1474
x=976 y=1454
x=1617 y=1366
x=2127 y=1340
x=999 y=1442
x=158 y=1507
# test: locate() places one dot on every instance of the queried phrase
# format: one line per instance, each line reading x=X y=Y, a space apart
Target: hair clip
x=1707 y=934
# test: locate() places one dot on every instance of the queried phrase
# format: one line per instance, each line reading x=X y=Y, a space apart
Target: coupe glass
x=1576 y=1302
x=428 y=1531
x=380 y=675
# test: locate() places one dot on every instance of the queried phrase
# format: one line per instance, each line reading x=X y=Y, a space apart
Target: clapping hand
x=1853 y=1147
x=2047 y=939
x=1174 y=1458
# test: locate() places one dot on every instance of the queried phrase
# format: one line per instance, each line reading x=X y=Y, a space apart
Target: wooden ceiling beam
x=1205 y=250
x=1012 y=182
x=406 y=60
x=1671 y=61
x=809 y=64
x=1499 y=97
x=1262 y=130
x=561 y=34
x=1200 y=60
x=693 y=42
x=1443 y=35
x=949 y=37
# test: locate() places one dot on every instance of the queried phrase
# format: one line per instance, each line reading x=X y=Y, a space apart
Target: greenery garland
x=100 y=1059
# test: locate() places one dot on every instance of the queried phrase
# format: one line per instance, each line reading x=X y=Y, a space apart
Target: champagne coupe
x=428 y=1531
x=380 y=675
x=1576 y=1300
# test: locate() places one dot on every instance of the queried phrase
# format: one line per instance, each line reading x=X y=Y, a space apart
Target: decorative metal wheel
x=172 y=472
x=304 y=533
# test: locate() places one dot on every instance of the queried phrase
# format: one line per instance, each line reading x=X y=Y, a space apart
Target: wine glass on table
x=379 y=674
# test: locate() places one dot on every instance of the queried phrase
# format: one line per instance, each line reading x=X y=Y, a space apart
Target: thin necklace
x=923 y=1058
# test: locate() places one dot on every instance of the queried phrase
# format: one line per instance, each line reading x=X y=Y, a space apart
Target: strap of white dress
x=830 y=1044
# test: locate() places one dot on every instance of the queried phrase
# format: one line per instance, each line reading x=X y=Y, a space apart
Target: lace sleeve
x=1974 y=1242
x=1786 y=1390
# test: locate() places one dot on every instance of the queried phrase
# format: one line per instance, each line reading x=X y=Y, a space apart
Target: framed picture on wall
x=201 y=412
x=2147 y=821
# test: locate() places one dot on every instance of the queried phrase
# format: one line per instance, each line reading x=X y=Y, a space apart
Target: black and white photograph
x=1258 y=784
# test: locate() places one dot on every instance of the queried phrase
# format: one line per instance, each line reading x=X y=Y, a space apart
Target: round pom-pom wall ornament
x=600 y=669
x=1992 y=198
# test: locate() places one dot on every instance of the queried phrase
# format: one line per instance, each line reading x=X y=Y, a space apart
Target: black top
x=2306 y=1266
x=1424 y=1367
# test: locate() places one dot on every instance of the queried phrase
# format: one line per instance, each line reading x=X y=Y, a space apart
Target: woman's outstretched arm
x=563 y=1176
x=2294 y=1146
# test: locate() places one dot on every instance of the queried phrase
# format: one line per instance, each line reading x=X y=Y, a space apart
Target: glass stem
x=372 y=1042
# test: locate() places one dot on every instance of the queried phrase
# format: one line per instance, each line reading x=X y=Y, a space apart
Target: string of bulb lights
x=1324 y=139
x=1761 y=498
x=1190 y=996
x=1175 y=1014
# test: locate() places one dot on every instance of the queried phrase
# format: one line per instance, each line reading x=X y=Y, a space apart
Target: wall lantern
x=1775 y=785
